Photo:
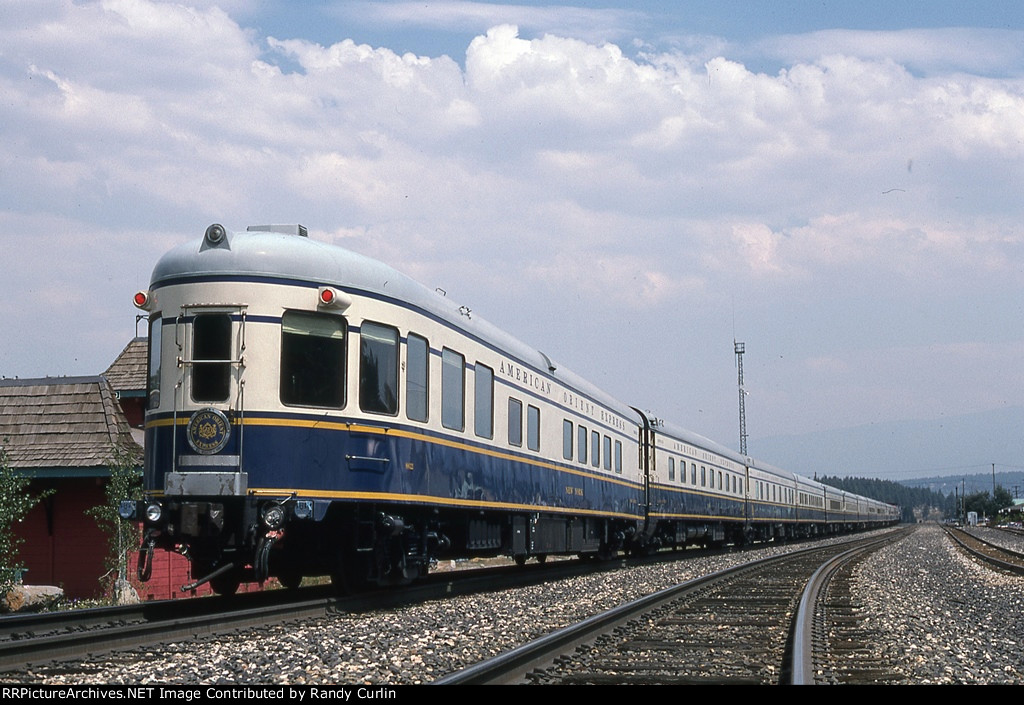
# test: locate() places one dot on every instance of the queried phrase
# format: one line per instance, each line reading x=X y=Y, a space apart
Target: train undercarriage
x=231 y=540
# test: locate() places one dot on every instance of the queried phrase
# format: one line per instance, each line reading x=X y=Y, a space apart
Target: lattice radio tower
x=739 y=348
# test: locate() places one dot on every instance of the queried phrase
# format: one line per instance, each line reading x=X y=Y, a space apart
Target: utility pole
x=739 y=349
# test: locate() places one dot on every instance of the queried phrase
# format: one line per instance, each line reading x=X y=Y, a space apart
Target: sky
x=629 y=187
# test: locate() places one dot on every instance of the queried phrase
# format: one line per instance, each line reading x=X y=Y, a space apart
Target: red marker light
x=330 y=298
x=141 y=299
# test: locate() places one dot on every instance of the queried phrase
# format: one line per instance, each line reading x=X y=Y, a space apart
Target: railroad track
x=40 y=639
x=44 y=638
x=832 y=639
x=990 y=553
x=733 y=627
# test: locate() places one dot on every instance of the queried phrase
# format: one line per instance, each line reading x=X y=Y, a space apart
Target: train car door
x=210 y=392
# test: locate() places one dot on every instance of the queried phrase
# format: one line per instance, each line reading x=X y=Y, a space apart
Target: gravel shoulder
x=947 y=619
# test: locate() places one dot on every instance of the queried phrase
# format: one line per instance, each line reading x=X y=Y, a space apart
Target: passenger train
x=312 y=411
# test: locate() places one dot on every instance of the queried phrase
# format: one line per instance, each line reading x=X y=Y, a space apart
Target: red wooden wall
x=65 y=547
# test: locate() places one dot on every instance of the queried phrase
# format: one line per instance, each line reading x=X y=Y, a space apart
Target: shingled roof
x=62 y=426
x=127 y=374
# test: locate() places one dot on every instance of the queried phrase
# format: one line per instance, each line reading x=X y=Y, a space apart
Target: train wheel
x=223 y=584
x=520 y=559
x=339 y=584
x=351 y=575
x=345 y=583
x=227 y=583
x=290 y=579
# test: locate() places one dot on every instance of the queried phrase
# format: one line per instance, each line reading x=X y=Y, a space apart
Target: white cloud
x=977 y=50
x=554 y=173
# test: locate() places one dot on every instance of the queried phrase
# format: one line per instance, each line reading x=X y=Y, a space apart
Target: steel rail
x=802 y=669
x=61 y=636
x=511 y=666
x=1017 y=567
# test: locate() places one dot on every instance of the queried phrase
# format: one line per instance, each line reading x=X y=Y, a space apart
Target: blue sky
x=626 y=186
x=433 y=28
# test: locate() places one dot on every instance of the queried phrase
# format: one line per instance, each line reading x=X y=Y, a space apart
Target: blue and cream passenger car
x=313 y=411
x=698 y=489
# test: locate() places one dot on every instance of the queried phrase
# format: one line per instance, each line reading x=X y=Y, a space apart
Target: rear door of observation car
x=208 y=400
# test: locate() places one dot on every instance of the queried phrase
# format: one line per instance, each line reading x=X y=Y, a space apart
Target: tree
x=987 y=504
x=125 y=483
x=1002 y=498
x=908 y=498
x=15 y=504
x=977 y=502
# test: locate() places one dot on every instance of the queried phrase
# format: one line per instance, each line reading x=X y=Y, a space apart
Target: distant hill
x=968 y=484
x=935 y=454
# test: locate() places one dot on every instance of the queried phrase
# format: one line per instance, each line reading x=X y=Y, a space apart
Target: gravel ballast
x=948 y=620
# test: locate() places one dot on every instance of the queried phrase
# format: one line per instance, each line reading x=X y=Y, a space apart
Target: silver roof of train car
x=695 y=439
x=284 y=252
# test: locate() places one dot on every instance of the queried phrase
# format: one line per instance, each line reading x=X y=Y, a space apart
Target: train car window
x=515 y=422
x=417 y=376
x=581 y=444
x=312 y=360
x=153 y=375
x=719 y=479
x=483 y=406
x=703 y=476
x=567 y=439
x=378 y=368
x=453 y=390
x=618 y=457
x=211 y=355
x=671 y=468
x=595 y=449
x=533 y=428
x=607 y=453
x=693 y=474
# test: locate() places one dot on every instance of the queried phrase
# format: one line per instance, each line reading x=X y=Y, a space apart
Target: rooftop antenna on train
x=739 y=348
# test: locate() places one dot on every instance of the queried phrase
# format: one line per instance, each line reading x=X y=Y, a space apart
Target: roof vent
x=283 y=229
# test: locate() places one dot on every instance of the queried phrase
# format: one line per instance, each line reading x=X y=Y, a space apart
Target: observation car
x=312 y=411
